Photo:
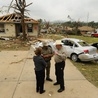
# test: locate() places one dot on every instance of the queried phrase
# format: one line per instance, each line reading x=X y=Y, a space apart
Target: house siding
x=35 y=30
x=9 y=31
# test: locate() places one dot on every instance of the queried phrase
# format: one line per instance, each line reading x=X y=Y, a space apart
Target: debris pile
x=13 y=44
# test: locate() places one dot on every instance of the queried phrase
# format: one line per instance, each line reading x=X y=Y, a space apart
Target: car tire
x=74 y=57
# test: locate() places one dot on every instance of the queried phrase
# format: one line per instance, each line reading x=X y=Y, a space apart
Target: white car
x=40 y=43
x=77 y=49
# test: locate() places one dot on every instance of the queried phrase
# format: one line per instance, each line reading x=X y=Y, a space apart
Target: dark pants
x=48 y=69
x=40 y=75
x=59 y=72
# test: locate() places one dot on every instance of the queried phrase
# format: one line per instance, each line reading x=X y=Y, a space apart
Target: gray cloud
x=60 y=9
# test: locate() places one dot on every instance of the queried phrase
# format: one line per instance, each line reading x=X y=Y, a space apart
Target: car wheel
x=74 y=57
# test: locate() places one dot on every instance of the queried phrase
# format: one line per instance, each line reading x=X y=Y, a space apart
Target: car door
x=69 y=47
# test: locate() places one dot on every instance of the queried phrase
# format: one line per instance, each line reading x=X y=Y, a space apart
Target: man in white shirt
x=59 y=57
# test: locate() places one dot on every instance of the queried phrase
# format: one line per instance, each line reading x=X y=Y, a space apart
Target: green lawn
x=87 y=39
x=89 y=70
x=58 y=36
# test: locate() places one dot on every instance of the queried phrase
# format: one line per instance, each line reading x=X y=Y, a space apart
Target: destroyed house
x=10 y=26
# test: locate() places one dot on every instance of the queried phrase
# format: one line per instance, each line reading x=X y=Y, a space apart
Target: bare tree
x=3 y=9
x=20 y=6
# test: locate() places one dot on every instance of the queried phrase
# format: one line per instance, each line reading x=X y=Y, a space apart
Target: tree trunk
x=23 y=26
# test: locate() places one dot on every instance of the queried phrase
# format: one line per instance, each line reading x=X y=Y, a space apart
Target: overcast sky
x=51 y=10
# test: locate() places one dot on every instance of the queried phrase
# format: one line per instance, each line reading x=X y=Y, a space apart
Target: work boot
x=42 y=92
x=60 y=90
x=56 y=83
x=48 y=79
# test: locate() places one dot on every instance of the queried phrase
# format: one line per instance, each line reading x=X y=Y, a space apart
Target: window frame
x=2 y=27
x=29 y=29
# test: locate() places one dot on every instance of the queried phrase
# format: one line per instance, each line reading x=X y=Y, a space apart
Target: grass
x=59 y=36
x=89 y=70
x=87 y=39
x=53 y=36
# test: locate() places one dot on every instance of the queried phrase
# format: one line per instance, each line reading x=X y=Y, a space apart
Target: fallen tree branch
x=20 y=60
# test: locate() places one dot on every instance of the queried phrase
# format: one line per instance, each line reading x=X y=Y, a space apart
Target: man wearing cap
x=59 y=57
x=47 y=53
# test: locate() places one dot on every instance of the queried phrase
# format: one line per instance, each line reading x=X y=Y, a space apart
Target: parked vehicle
x=40 y=43
x=87 y=34
x=75 y=49
x=95 y=34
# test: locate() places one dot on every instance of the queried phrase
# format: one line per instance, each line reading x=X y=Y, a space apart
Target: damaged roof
x=16 y=18
x=86 y=28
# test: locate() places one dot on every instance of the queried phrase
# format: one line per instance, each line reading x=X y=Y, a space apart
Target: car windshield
x=83 y=43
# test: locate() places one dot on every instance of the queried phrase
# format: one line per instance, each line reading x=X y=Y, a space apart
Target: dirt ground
x=14 y=45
